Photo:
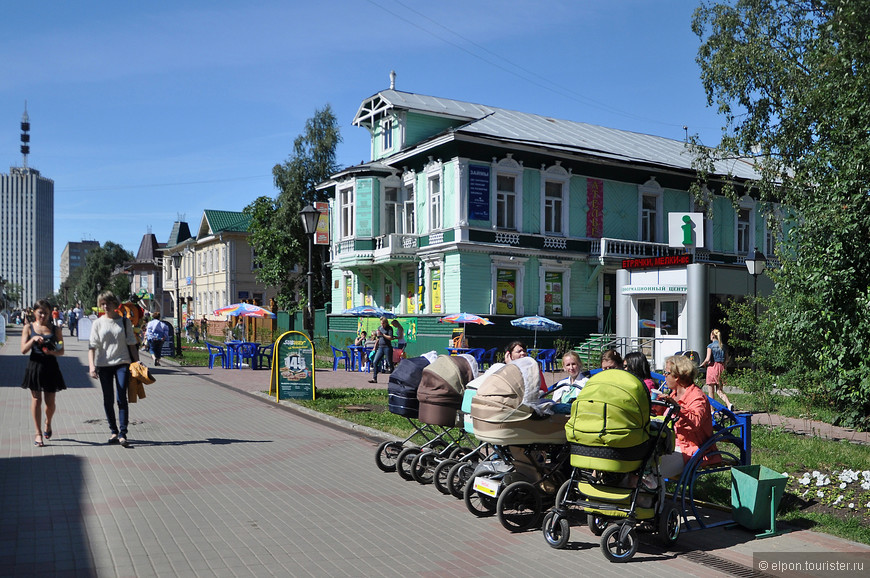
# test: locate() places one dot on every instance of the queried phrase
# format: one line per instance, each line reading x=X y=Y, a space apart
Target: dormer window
x=387 y=136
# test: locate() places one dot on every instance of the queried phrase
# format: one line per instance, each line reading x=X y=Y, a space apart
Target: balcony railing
x=621 y=248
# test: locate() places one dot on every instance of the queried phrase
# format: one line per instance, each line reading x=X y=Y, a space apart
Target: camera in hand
x=48 y=343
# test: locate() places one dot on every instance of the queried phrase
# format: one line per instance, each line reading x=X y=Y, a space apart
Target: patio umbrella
x=464 y=319
x=143 y=293
x=244 y=310
x=537 y=323
x=368 y=311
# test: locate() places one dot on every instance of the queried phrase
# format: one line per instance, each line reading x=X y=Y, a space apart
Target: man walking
x=156 y=332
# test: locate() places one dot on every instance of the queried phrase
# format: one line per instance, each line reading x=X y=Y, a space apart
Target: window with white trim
x=553 y=200
x=650 y=212
x=387 y=135
x=436 y=208
x=744 y=238
x=410 y=223
x=392 y=211
x=506 y=202
x=345 y=212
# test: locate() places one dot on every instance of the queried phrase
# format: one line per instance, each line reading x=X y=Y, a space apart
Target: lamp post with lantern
x=176 y=262
x=755 y=264
x=309 y=216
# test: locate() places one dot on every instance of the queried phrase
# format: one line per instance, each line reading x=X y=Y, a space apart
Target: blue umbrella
x=368 y=311
x=537 y=323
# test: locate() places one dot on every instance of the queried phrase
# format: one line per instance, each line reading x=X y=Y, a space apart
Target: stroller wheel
x=460 y=452
x=669 y=525
x=564 y=493
x=519 y=507
x=403 y=462
x=441 y=473
x=478 y=504
x=423 y=467
x=596 y=524
x=457 y=477
x=619 y=546
x=556 y=530
x=387 y=454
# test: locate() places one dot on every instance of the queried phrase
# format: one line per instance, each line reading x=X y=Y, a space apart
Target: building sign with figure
x=292 y=367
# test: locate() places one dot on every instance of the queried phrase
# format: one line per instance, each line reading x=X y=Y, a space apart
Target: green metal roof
x=227 y=221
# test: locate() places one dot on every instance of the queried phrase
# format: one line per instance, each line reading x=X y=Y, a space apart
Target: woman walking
x=44 y=341
x=383 y=348
x=111 y=349
x=715 y=363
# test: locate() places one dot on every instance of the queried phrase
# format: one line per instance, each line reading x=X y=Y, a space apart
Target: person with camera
x=44 y=341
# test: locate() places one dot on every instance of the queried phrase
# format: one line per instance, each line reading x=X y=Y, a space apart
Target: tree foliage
x=792 y=80
x=276 y=230
x=97 y=274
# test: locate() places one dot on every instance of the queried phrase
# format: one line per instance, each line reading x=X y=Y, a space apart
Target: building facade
x=474 y=208
x=217 y=265
x=27 y=234
x=74 y=256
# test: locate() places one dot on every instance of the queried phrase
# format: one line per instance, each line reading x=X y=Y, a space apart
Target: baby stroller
x=440 y=396
x=615 y=449
x=530 y=457
x=402 y=392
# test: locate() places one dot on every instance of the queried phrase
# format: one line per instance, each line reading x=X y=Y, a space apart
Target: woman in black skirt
x=42 y=377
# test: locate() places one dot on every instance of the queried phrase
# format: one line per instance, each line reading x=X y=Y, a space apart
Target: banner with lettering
x=594 y=208
x=292 y=367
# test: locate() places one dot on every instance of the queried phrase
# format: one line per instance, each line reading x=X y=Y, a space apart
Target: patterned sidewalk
x=220 y=481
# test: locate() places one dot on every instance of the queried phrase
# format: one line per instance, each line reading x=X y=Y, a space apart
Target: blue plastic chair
x=547 y=357
x=477 y=353
x=488 y=357
x=264 y=356
x=248 y=351
x=215 y=351
x=338 y=355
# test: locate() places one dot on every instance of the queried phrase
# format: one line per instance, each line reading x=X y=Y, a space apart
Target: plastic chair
x=547 y=357
x=264 y=356
x=477 y=353
x=488 y=357
x=215 y=351
x=248 y=351
x=338 y=355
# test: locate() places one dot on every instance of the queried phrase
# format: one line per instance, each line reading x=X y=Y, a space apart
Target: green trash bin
x=755 y=495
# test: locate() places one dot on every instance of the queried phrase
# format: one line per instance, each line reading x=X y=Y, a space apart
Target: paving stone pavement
x=220 y=481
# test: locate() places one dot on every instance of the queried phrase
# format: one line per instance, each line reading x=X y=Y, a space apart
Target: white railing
x=622 y=248
x=395 y=242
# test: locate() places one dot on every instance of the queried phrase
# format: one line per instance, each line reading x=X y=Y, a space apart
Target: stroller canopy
x=403 y=384
x=441 y=387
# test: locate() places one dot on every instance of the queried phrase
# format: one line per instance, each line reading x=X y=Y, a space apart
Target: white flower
x=820 y=494
x=843 y=486
x=865 y=485
x=838 y=500
x=852 y=505
x=823 y=481
x=816 y=473
x=804 y=480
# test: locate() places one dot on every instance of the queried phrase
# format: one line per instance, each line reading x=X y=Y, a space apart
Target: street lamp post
x=176 y=262
x=755 y=264
x=309 y=216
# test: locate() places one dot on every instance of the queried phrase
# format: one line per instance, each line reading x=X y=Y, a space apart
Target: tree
x=97 y=274
x=792 y=80
x=276 y=231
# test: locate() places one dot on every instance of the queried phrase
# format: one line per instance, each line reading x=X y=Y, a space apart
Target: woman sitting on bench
x=695 y=424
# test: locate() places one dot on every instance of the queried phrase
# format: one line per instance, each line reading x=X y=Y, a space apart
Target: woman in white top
x=568 y=388
x=109 y=357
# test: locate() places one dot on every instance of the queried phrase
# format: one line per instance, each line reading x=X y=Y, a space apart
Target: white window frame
x=555 y=174
x=346 y=197
x=387 y=135
x=555 y=266
x=510 y=168
x=395 y=183
x=650 y=189
x=745 y=230
x=409 y=213
x=435 y=196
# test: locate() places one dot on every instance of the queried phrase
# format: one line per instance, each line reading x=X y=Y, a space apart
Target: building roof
x=148 y=248
x=214 y=222
x=180 y=233
x=532 y=129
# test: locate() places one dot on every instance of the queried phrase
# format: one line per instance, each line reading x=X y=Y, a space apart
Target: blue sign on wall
x=478 y=192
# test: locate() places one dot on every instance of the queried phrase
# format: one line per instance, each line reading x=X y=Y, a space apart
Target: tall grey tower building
x=27 y=232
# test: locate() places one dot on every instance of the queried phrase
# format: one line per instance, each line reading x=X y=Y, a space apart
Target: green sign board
x=292 y=367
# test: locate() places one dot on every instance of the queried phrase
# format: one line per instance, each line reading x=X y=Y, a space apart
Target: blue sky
x=143 y=113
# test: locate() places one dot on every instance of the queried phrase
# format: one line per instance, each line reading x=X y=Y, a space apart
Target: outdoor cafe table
x=233 y=347
x=358 y=355
x=457 y=350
